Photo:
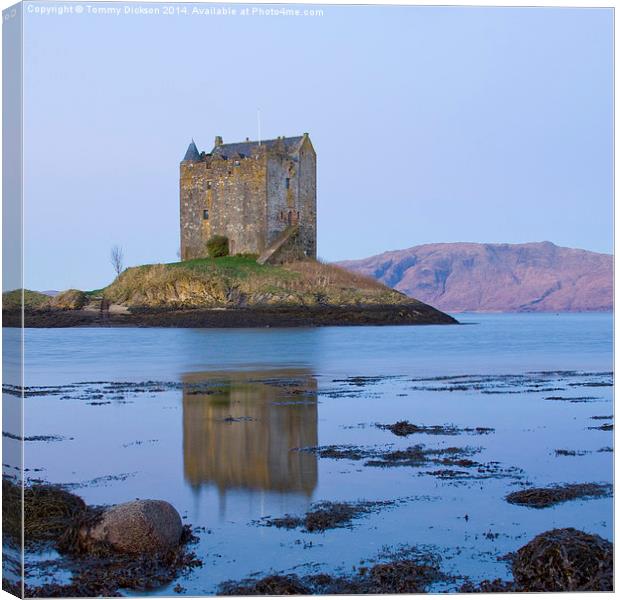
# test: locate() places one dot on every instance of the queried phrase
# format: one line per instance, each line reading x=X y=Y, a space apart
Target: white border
x=514 y=3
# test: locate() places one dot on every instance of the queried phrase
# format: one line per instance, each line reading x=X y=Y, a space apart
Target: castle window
x=287 y=183
x=205 y=214
x=237 y=163
x=208 y=185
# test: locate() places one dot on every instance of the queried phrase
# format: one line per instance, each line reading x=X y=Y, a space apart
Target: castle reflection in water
x=239 y=429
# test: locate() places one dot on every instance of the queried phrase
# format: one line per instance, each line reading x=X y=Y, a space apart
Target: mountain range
x=463 y=277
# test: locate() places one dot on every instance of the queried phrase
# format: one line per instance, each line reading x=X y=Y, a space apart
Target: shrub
x=218 y=246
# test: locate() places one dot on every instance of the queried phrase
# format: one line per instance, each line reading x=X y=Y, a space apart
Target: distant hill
x=462 y=277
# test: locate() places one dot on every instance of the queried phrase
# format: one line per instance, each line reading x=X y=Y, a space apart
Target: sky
x=431 y=124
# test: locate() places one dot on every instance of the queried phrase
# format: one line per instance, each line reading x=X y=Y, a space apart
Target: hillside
x=460 y=277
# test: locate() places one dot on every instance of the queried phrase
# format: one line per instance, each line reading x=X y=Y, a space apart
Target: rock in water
x=137 y=527
x=564 y=560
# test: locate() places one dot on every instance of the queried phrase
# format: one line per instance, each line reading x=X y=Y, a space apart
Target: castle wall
x=292 y=203
x=249 y=199
x=193 y=201
x=307 y=199
x=236 y=203
x=282 y=207
x=233 y=191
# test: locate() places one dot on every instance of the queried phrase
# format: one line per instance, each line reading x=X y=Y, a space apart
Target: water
x=224 y=459
x=489 y=343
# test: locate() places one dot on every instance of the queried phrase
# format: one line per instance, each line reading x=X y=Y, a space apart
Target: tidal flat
x=328 y=460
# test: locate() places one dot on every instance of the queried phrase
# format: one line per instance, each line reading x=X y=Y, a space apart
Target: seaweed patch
x=544 y=497
x=327 y=515
x=405 y=428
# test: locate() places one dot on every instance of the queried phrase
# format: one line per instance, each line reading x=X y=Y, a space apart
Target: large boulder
x=564 y=560
x=137 y=527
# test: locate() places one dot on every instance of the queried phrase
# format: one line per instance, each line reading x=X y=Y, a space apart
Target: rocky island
x=227 y=291
x=248 y=234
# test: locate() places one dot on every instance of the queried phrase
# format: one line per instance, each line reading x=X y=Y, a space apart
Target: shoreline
x=415 y=313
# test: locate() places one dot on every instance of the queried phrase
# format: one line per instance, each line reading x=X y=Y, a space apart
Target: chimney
x=218 y=140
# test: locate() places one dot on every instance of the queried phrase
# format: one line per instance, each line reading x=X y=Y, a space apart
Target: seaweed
x=605 y=427
x=401 y=576
x=574 y=399
x=50 y=513
x=106 y=575
x=449 y=474
x=564 y=560
x=272 y=585
x=326 y=515
x=486 y=586
x=418 y=455
x=562 y=452
x=339 y=452
x=405 y=428
x=34 y=438
x=544 y=497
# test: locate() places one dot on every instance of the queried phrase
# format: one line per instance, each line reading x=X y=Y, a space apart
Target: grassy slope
x=13 y=300
x=239 y=281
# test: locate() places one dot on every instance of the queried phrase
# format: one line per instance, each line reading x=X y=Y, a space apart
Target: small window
x=205 y=214
x=287 y=183
x=208 y=185
x=237 y=163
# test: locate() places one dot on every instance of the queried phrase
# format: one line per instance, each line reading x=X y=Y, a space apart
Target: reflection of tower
x=239 y=429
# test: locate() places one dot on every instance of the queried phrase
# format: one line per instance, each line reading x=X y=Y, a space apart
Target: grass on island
x=229 y=281
x=68 y=300
x=13 y=300
x=241 y=281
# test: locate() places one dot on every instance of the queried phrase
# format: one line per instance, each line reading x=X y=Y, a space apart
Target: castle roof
x=192 y=152
x=291 y=144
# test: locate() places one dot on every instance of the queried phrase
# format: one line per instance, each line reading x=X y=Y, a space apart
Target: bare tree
x=117 y=258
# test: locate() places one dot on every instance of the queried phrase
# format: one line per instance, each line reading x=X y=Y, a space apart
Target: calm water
x=224 y=459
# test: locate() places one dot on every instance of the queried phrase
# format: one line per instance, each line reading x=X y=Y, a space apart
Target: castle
x=260 y=195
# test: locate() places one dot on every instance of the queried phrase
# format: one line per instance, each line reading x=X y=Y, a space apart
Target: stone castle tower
x=260 y=195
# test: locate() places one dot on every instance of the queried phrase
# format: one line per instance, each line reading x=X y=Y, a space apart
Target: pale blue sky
x=430 y=125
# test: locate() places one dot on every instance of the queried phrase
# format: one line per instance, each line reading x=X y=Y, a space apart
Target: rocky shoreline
x=414 y=313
